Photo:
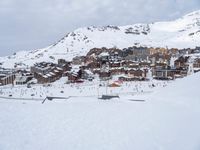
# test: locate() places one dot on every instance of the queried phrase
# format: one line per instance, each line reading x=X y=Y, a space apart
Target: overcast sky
x=32 y=24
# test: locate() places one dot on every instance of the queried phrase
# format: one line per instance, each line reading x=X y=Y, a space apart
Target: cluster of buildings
x=130 y=64
x=47 y=72
x=141 y=63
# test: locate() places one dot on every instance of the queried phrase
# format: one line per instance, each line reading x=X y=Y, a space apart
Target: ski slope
x=169 y=119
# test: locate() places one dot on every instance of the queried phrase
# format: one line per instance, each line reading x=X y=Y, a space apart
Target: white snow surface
x=181 y=33
x=169 y=119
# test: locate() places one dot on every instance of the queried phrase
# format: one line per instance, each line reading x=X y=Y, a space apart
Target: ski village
x=113 y=67
x=106 y=88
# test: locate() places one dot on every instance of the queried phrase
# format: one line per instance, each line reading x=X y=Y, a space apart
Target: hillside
x=181 y=33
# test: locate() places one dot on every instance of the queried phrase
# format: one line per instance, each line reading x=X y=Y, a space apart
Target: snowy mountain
x=181 y=33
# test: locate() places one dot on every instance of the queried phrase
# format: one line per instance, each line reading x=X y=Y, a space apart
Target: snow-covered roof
x=56 y=71
x=59 y=68
x=45 y=76
x=104 y=54
x=51 y=73
x=21 y=78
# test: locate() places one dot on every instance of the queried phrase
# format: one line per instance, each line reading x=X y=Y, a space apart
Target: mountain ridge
x=180 y=33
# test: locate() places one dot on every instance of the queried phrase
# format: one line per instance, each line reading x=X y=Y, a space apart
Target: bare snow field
x=168 y=119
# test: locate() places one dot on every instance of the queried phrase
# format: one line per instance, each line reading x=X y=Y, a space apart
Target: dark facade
x=7 y=79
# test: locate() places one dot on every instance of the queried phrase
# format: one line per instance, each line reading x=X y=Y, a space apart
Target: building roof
x=59 y=68
x=45 y=76
x=51 y=73
x=48 y=75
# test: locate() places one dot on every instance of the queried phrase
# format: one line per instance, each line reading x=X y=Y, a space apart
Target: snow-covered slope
x=165 y=121
x=181 y=33
x=184 y=90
